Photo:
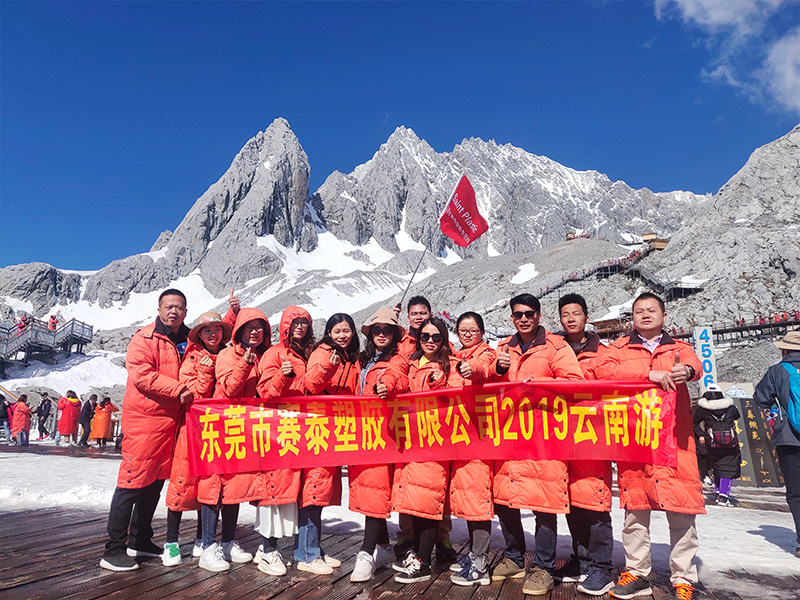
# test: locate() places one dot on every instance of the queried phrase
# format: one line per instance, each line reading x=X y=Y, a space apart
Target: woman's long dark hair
x=350 y=354
x=369 y=346
x=305 y=346
x=261 y=348
x=442 y=355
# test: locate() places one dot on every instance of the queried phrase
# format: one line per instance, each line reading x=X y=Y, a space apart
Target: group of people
x=94 y=419
x=170 y=365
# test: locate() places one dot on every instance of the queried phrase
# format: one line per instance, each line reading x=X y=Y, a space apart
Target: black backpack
x=721 y=435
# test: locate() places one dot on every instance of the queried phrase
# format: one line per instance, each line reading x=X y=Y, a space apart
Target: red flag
x=461 y=221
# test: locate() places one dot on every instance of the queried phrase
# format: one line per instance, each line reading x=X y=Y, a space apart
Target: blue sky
x=115 y=117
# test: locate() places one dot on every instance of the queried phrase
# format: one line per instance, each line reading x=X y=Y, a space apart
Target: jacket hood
x=290 y=314
x=73 y=400
x=716 y=403
x=251 y=314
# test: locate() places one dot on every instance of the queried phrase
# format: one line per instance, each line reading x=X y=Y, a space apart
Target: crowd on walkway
x=66 y=420
x=170 y=365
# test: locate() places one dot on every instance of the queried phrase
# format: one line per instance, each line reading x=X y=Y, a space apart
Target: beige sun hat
x=382 y=316
x=791 y=341
x=210 y=318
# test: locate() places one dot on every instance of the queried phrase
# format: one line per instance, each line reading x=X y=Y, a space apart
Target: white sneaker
x=233 y=552
x=383 y=556
x=197 y=549
x=271 y=563
x=364 y=569
x=212 y=559
x=332 y=562
x=316 y=566
x=258 y=555
x=172 y=555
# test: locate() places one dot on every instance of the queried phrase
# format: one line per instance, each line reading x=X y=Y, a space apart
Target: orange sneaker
x=684 y=591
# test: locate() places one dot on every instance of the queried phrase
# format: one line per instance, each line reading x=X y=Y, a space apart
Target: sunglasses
x=528 y=314
x=388 y=331
x=436 y=338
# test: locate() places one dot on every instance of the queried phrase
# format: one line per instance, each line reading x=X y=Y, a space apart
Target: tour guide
x=153 y=398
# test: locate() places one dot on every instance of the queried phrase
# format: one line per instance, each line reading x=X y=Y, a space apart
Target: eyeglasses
x=388 y=331
x=469 y=331
x=528 y=314
x=436 y=338
x=253 y=327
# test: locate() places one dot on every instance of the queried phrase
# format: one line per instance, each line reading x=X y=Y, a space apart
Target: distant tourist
x=101 y=424
x=781 y=386
x=5 y=418
x=70 y=407
x=52 y=323
x=152 y=405
x=43 y=413
x=85 y=419
x=21 y=428
x=715 y=429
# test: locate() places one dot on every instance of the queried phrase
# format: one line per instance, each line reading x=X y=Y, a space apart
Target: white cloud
x=748 y=55
x=781 y=71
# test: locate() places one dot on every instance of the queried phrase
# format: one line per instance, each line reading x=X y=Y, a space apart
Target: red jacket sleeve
x=145 y=372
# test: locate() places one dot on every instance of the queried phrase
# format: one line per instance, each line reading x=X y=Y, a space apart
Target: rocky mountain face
x=40 y=284
x=530 y=201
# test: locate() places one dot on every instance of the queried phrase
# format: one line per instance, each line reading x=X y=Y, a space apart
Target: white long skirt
x=277 y=520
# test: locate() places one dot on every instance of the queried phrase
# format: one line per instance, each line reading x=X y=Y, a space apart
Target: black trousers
x=87 y=429
x=789 y=460
x=592 y=538
x=130 y=519
x=43 y=427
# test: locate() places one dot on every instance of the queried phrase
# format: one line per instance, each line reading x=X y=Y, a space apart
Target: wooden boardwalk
x=54 y=553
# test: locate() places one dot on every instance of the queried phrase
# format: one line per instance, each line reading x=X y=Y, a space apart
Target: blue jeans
x=546 y=537
x=23 y=437
x=306 y=542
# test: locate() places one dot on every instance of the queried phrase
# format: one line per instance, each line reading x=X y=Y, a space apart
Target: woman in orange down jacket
x=21 y=425
x=420 y=488
x=471 y=481
x=101 y=424
x=209 y=335
x=237 y=373
x=282 y=372
x=333 y=368
x=383 y=373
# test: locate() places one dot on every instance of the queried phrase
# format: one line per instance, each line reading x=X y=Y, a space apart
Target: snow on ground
x=731 y=539
x=525 y=273
x=79 y=372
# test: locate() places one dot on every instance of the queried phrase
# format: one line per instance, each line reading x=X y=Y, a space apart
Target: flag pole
x=410 y=281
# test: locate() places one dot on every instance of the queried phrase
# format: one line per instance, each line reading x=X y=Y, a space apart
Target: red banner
x=461 y=221
x=567 y=420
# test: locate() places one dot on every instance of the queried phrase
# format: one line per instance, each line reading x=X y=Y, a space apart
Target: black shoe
x=145 y=550
x=402 y=547
x=570 y=572
x=119 y=562
x=445 y=551
x=401 y=565
x=417 y=571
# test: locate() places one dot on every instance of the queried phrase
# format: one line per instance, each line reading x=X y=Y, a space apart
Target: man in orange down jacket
x=151 y=406
x=531 y=354
x=650 y=354
x=419 y=311
x=589 y=517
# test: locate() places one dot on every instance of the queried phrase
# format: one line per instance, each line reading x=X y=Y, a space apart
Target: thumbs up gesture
x=233 y=301
x=680 y=372
x=465 y=369
x=503 y=361
x=286 y=367
x=380 y=388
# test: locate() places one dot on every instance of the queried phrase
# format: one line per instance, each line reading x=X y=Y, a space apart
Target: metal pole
x=410 y=281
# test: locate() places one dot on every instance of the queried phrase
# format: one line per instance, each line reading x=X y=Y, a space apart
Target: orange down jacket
x=101 y=424
x=590 y=480
x=322 y=486
x=22 y=418
x=539 y=485
x=420 y=488
x=182 y=490
x=70 y=413
x=150 y=408
x=471 y=481
x=235 y=378
x=658 y=487
x=282 y=486
x=371 y=485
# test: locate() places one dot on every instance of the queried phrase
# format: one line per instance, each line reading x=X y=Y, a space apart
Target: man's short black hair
x=527 y=300
x=171 y=292
x=648 y=295
x=416 y=300
x=573 y=299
